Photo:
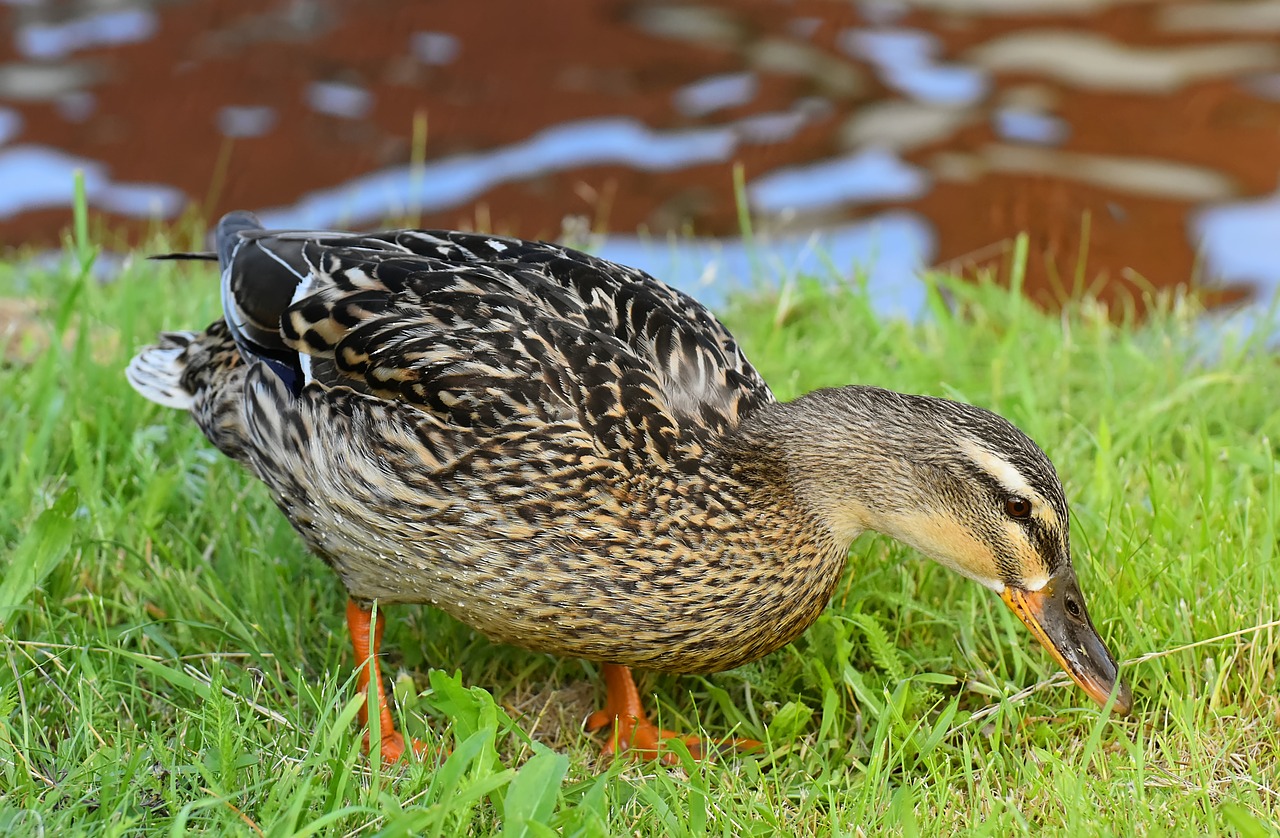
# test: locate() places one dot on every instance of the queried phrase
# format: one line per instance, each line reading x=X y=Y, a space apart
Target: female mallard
x=574 y=458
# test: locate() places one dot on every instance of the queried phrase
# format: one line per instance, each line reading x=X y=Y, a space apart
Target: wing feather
x=480 y=331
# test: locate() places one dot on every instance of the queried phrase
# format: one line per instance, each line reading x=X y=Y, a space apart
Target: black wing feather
x=482 y=331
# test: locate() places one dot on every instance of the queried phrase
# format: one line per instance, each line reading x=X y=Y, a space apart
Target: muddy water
x=1138 y=143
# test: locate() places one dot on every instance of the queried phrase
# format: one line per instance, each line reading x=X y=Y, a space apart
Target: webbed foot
x=634 y=734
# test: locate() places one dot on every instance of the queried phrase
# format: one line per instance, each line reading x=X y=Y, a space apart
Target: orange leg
x=366 y=640
x=632 y=730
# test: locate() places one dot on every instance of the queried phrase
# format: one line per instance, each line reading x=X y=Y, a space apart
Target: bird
x=571 y=456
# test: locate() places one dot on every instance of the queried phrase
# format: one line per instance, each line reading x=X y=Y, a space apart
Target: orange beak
x=1057 y=617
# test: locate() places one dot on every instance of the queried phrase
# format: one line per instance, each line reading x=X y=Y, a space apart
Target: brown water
x=1136 y=142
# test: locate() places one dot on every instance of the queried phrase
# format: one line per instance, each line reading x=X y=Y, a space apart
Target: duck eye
x=1016 y=507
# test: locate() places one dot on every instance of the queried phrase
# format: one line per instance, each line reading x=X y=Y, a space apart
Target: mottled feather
x=519 y=433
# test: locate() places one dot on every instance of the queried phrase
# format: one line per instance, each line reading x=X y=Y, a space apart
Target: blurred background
x=1136 y=143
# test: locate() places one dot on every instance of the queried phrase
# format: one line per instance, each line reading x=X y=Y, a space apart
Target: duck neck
x=849 y=457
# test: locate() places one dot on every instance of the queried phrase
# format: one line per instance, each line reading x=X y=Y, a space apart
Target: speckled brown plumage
x=569 y=455
x=524 y=436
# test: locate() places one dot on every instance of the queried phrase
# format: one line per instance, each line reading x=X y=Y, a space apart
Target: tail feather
x=201 y=372
x=156 y=371
x=226 y=239
x=183 y=255
x=259 y=280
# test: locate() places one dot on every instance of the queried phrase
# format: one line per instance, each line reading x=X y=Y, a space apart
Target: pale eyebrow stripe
x=1008 y=476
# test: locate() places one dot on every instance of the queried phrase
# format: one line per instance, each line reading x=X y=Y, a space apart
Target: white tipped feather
x=306 y=287
x=156 y=371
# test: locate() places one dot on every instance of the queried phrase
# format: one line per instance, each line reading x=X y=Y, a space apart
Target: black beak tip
x=1123 y=704
x=1056 y=614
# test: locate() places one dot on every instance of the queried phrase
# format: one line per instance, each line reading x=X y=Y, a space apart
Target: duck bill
x=1070 y=637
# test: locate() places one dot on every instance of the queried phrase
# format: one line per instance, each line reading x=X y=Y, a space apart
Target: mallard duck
x=570 y=456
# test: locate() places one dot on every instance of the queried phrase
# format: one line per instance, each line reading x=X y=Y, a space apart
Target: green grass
x=175 y=662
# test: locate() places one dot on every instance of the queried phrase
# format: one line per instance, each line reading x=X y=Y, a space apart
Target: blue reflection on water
x=35 y=177
x=874 y=174
x=776 y=126
x=890 y=250
x=434 y=48
x=56 y=40
x=714 y=93
x=904 y=58
x=452 y=181
x=1239 y=243
x=337 y=98
x=1027 y=126
x=246 y=120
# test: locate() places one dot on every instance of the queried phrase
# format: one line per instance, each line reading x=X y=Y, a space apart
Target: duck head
x=963 y=486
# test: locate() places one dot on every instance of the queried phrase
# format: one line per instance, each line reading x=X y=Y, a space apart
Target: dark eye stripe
x=981 y=475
